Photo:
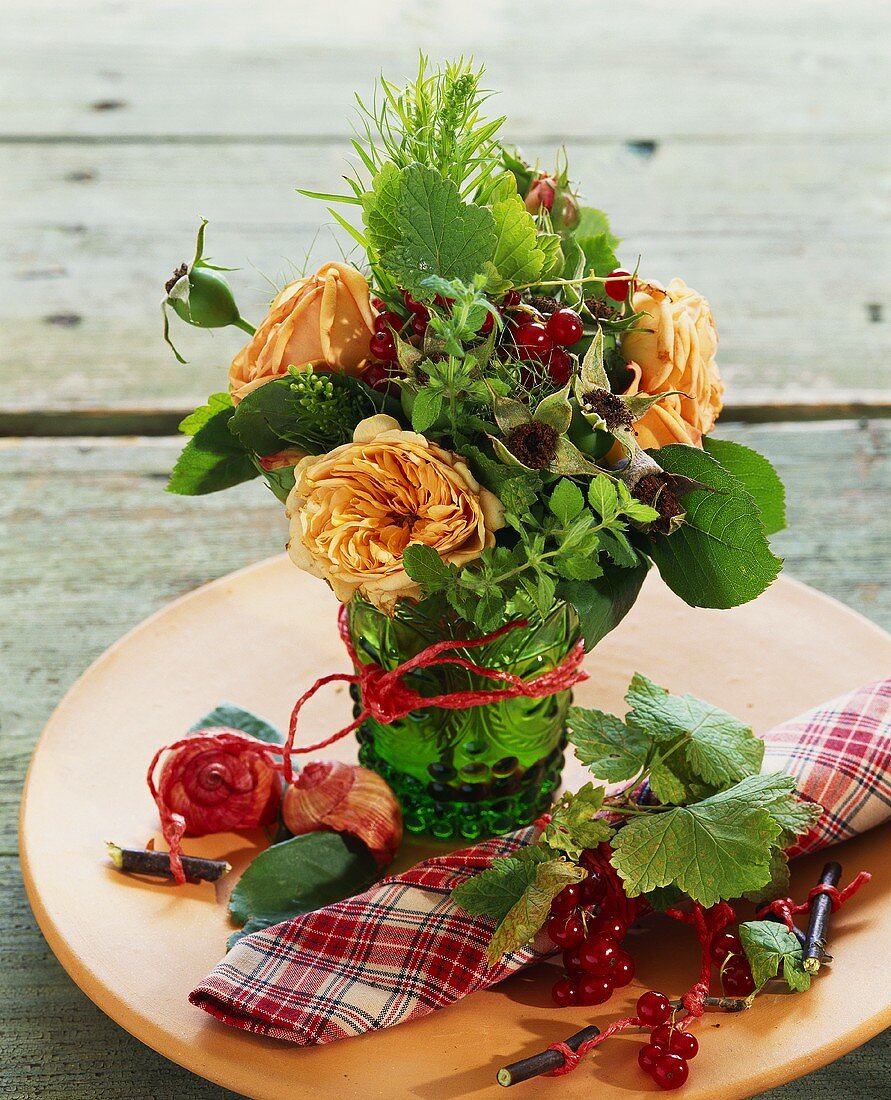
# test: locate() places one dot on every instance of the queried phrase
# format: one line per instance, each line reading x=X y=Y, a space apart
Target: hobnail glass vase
x=474 y=772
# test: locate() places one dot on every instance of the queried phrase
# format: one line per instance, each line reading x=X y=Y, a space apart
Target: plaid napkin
x=402 y=949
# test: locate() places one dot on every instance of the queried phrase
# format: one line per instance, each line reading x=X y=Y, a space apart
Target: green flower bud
x=202 y=297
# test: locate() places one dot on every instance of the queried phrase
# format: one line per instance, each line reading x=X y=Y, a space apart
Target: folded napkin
x=402 y=949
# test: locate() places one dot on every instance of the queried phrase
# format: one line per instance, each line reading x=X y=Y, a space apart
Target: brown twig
x=818 y=924
x=144 y=861
x=543 y=1062
x=729 y=1004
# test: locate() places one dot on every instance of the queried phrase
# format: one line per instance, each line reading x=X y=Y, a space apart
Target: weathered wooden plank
x=789 y=239
x=651 y=69
x=89 y=545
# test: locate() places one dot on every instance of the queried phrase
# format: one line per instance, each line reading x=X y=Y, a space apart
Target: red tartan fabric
x=402 y=949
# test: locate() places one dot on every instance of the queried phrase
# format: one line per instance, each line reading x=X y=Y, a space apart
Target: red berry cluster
x=669 y=1050
x=726 y=951
x=546 y=343
x=593 y=959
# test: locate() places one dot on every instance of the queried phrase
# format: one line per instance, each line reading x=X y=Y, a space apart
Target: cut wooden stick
x=145 y=861
x=543 y=1062
x=818 y=925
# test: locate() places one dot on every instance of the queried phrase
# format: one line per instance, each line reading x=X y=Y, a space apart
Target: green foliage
x=601 y=604
x=772 y=950
x=531 y=909
x=720 y=556
x=495 y=891
x=757 y=475
x=518 y=259
x=213 y=459
x=438 y=233
x=300 y=875
x=593 y=223
x=217 y=402
x=228 y=714
x=574 y=824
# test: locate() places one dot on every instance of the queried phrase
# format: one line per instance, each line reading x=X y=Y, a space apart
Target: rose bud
x=344 y=798
x=541 y=193
x=199 y=295
x=220 y=779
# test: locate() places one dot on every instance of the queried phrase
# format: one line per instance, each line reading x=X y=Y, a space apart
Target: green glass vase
x=475 y=772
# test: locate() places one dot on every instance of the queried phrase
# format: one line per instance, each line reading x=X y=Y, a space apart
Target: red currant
x=674 y=1041
x=388 y=320
x=378 y=304
x=623 y=971
x=670 y=1071
x=565 y=327
x=414 y=305
x=566 y=930
x=564 y=992
x=486 y=326
x=566 y=900
x=647 y=1058
x=607 y=926
x=532 y=341
x=377 y=376
x=653 y=1008
x=594 y=990
x=382 y=346
x=619 y=284
x=724 y=944
x=572 y=962
x=737 y=979
x=599 y=955
x=419 y=324
x=559 y=366
x=593 y=887
x=512 y=299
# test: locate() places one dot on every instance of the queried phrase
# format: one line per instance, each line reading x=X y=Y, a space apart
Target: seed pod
x=345 y=799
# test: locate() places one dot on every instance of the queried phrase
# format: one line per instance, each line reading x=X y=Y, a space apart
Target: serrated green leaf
x=616 y=544
x=574 y=825
x=439 y=234
x=779 y=883
x=212 y=460
x=592 y=223
x=578 y=567
x=612 y=750
x=426 y=409
x=190 y=424
x=379 y=208
x=715 y=849
x=767 y=944
x=718 y=747
x=228 y=714
x=529 y=914
x=757 y=475
x=424 y=565
x=720 y=556
x=566 y=501
x=517 y=494
x=603 y=603
x=603 y=498
x=600 y=259
x=518 y=260
x=495 y=891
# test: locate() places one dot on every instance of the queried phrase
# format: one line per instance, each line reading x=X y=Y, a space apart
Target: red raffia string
x=387 y=698
x=785 y=908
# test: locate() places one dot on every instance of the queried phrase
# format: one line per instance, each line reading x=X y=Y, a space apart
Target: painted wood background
x=745 y=147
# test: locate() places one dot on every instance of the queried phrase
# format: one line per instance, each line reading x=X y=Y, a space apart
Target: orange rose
x=354 y=510
x=673 y=348
x=325 y=321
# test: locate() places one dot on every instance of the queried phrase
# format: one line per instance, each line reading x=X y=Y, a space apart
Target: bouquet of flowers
x=484 y=431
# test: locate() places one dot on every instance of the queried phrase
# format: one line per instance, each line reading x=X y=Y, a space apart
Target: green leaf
x=212 y=460
x=228 y=714
x=603 y=603
x=600 y=259
x=280 y=481
x=518 y=260
x=612 y=750
x=379 y=208
x=720 y=556
x=299 y=875
x=424 y=565
x=215 y=403
x=440 y=235
x=566 y=501
x=426 y=409
x=768 y=944
x=530 y=912
x=718 y=747
x=574 y=825
x=495 y=891
x=775 y=792
x=757 y=475
x=779 y=883
x=593 y=222
x=517 y=494
x=715 y=849
x=603 y=498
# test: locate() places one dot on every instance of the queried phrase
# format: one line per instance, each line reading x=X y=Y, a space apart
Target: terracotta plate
x=258 y=638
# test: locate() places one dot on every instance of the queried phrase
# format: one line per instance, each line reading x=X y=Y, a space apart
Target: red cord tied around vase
x=238 y=766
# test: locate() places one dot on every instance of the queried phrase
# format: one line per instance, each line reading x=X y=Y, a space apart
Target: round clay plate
x=258 y=638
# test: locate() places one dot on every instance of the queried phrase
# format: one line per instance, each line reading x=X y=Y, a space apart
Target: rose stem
x=795 y=930
x=818 y=924
x=543 y=1062
x=142 y=861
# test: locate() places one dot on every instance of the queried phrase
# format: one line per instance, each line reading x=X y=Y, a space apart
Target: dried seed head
x=600 y=310
x=655 y=490
x=534 y=444
x=612 y=409
x=183 y=269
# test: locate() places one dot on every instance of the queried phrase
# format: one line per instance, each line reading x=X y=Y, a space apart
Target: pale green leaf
x=518 y=260
x=767 y=945
x=566 y=501
x=530 y=913
x=612 y=750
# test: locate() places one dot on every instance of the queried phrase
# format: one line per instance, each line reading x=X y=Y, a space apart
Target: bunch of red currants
x=670 y=1048
x=592 y=954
